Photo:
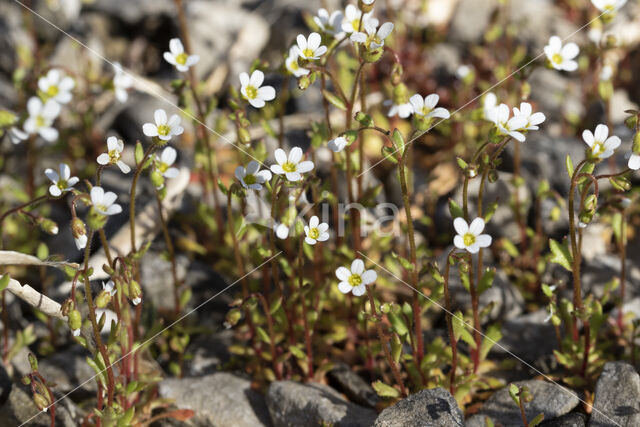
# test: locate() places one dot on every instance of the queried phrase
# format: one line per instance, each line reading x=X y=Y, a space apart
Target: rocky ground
x=231 y=34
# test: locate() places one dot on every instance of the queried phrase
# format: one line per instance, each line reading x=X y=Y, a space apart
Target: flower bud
x=396 y=74
x=304 y=82
x=41 y=402
x=400 y=94
x=364 y=119
x=636 y=143
x=135 y=293
x=66 y=307
x=366 y=6
x=371 y=56
x=157 y=179
x=233 y=316
x=103 y=299
x=48 y=226
x=96 y=220
x=74 y=320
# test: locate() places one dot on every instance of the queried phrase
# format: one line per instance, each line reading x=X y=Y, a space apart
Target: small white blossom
x=470 y=237
x=292 y=62
x=291 y=167
x=607 y=6
x=337 y=144
x=426 y=107
x=104 y=203
x=595 y=34
x=355 y=279
x=57 y=86
x=489 y=103
x=401 y=110
x=136 y=300
x=330 y=24
x=372 y=37
x=122 y=81
x=41 y=117
x=76 y=332
x=163 y=128
x=505 y=125
x=281 y=230
x=316 y=231
x=351 y=21
x=113 y=155
x=165 y=164
x=606 y=73
x=253 y=92
x=561 y=57
x=463 y=71
x=533 y=119
x=109 y=287
x=17 y=135
x=310 y=48
x=252 y=177
x=81 y=241
x=62 y=182
x=600 y=143
x=634 y=161
x=178 y=57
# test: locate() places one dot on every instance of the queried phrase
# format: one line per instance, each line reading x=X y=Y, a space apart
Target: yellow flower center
x=289 y=167
x=355 y=280
x=40 y=121
x=252 y=92
x=355 y=24
x=182 y=58
x=53 y=90
x=62 y=184
x=250 y=179
x=162 y=167
x=424 y=111
x=314 y=233
x=163 y=130
x=468 y=239
x=308 y=53
x=294 y=65
x=597 y=148
x=556 y=58
x=114 y=156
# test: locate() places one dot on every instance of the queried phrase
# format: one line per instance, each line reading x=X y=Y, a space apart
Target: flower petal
x=357 y=266
x=160 y=117
x=344 y=287
x=343 y=273
x=257 y=77
x=359 y=290
x=369 y=277
x=280 y=156
x=460 y=225
x=483 y=240
x=295 y=155
x=305 y=166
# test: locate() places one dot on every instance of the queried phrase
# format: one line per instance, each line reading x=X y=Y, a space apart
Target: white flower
x=606 y=73
x=506 y=125
x=163 y=128
x=62 y=182
x=401 y=110
x=17 y=135
x=330 y=24
x=122 y=81
x=41 y=117
x=489 y=103
x=634 y=161
x=356 y=279
x=310 y=48
x=469 y=237
x=114 y=154
x=426 y=107
x=57 y=86
x=533 y=119
x=337 y=144
x=595 y=34
x=136 y=300
x=103 y=202
x=601 y=144
x=167 y=159
x=178 y=57
x=291 y=167
x=316 y=231
x=251 y=90
x=351 y=22
x=292 y=63
x=252 y=177
x=608 y=5
x=463 y=71
x=76 y=332
x=561 y=57
x=281 y=230
x=81 y=241
x=373 y=37
x=109 y=287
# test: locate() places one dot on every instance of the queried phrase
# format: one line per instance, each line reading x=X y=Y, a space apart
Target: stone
x=68 y=370
x=550 y=399
x=222 y=399
x=573 y=419
x=5 y=384
x=527 y=336
x=20 y=409
x=427 y=408
x=157 y=280
x=293 y=404
x=617 y=397
x=471 y=19
x=209 y=353
x=132 y=12
x=344 y=379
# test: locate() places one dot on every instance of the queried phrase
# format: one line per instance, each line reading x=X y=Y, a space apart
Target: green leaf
x=4 y=281
x=513 y=392
x=537 y=420
x=569 y=163
x=389 y=154
x=406 y=264
x=298 y=353
x=139 y=153
x=490 y=211
x=384 y=390
x=460 y=329
x=398 y=141
x=492 y=336
x=561 y=254
x=487 y=280
x=455 y=209
x=398 y=323
x=334 y=100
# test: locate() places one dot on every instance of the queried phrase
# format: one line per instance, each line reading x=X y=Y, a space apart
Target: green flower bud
x=636 y=143
x=371 y=56
x=233 y=316
x=74 y=320
x=304 y=82
x=96 y=220
x=400 y=94
x=243 y=136
x=157 y=179
x=41 y=402
x=366 y=8
x=364 y=119
x=78 y=228
x=135 y=293
x=48 y=226
x=103 y=299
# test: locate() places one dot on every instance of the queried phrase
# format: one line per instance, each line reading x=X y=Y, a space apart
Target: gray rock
x=556 y=95
x=427 y=408
x=548 y=398
x=527 y=336
x=68 y=370
x=617 y=397
x=157 y=280
x=352 y=385
x=293 y=404
x=19 y=408
x=132 y=12
x=222 y=399
x=570 y=420
x=5 y=385
x=470 y=27
x=209 y=352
